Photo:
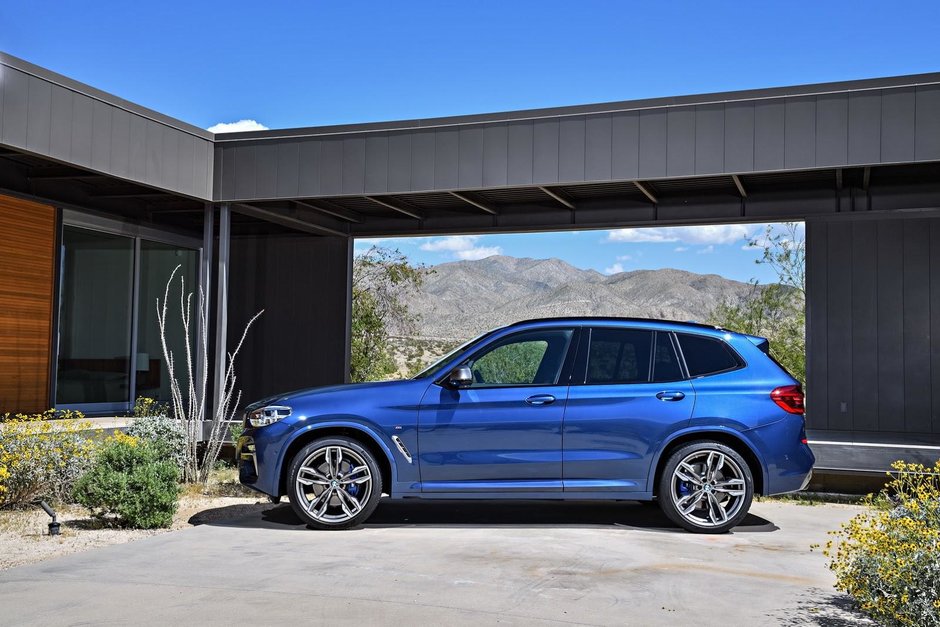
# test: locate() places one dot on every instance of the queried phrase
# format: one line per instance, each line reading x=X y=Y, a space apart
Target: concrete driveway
x=453 y=563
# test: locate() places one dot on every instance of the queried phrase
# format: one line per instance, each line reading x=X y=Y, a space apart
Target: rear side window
x=619 y=356
x=706 y=355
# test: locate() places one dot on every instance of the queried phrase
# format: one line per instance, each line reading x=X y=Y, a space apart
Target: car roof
x=602 y=319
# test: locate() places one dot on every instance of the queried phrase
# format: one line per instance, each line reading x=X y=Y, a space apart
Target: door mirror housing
x=460 y=377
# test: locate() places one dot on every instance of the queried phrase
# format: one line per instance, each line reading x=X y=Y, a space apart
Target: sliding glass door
x=109 y=346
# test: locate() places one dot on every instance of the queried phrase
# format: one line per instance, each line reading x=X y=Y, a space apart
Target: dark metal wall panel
x=545 y=151
x=422 y=160
x=354 y=165
x=121 y=146
x=597 y=148
x=307 y=338
x=39 y=116
x=897 y=125
x=60 y=133
x=571 y=147
x=50 y=115
x=872 y=349
x=520 y=142
x=800 y=132
x=709 y=139
x=680 y=141
x=769 y=125
x=864 y=144
x=15 y=85
x=309 y=171
x=831 y=130
x=927 y=123
x=916 y=279
x=495 y=154
x=82 y=124
x=864 y=325
x=376 y=178
x=470 y=157
x=245 y=171
x=399 y=162
x=817 y=323
x=331 y=166
x=739 y=137
x=890 y=337
x=266 y=170
x=652 y=144
x=288 y=170
x=446 y=158
x=625 y=145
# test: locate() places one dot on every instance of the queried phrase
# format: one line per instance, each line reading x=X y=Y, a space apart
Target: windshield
x=436 y=367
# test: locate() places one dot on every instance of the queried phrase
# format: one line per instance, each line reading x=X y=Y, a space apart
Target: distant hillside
x=464 y=298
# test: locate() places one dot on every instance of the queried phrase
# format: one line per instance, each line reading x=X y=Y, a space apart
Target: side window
x=528 y=358
x=619 y=356
x=706 y=355
x=665 y=361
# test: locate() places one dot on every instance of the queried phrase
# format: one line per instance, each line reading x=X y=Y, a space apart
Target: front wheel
x=335 y=483
x=706 y=487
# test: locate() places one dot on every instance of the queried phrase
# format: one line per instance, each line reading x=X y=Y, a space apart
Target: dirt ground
x=25 y=539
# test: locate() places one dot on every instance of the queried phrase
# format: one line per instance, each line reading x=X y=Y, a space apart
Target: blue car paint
x=590 y=443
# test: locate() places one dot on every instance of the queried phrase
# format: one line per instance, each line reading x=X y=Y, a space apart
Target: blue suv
x=692 y=416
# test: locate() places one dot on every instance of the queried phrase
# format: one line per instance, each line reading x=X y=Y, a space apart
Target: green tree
x=776 y=311
x=383 y=279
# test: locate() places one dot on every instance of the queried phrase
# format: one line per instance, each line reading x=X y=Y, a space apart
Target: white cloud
x=614 y=269
x=237 y=127
x=704 y=234
x=680 y=249
x=462 y=247
x=624 y=257
x=704 y=251
x=479 y=252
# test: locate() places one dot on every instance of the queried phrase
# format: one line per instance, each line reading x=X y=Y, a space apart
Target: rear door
x=629 y=396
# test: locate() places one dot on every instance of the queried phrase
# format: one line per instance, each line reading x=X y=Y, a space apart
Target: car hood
x=329 y=391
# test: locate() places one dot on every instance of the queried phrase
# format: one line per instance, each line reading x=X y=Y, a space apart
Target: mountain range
x=464 y=298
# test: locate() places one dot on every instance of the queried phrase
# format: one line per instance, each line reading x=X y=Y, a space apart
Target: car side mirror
x=460 y=377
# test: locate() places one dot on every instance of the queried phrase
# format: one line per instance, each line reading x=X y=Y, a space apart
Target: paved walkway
x=453 y=563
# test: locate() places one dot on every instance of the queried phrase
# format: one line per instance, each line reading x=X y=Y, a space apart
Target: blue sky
x=287 y=64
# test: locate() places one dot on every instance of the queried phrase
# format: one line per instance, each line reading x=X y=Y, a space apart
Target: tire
x=706 y=487
x=335 y=483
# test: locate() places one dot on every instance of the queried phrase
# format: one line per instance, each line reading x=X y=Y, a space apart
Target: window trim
x=680 y=361
x=741 y=363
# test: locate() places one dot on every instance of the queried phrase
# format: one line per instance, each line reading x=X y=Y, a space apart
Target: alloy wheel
x=708 y=488
x=333 y=484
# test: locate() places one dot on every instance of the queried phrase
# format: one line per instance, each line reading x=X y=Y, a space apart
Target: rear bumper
x=788 y=462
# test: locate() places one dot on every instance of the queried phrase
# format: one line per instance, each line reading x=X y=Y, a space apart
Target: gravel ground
x=24 y=533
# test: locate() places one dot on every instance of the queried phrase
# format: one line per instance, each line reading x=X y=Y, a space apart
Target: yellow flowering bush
x=41 y=457
x=888 y=558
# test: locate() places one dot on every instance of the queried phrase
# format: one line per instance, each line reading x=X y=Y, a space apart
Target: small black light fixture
x=54 y=526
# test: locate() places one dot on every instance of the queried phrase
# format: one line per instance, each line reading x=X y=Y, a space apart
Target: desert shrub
x=888 y=558
x=131 y=482
x=41 y=457
x=166 y=434
x=145 y=407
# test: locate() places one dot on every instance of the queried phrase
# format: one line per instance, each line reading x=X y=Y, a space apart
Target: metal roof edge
x=811 y=89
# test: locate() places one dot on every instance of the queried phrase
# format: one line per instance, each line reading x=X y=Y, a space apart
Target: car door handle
x=540 y=399
x=670 y=396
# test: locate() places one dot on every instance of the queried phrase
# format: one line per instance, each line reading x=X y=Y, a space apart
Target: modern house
x=101 y=198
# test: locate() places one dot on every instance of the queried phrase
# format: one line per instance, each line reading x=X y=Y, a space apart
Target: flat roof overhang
x=757 y=155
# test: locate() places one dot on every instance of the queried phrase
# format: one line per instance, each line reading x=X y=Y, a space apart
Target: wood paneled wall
x=27 y=284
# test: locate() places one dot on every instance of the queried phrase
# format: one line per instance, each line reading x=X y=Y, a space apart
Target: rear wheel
x=335 y=483
x=706 y=487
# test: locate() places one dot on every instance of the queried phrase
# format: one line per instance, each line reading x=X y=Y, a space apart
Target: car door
x=503 y=431
x=628 y=393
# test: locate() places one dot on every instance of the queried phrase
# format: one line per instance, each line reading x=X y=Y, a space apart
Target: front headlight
x=264 y=416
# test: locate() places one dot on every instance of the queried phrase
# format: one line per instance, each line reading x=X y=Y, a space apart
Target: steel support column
x=205 y=290
x=221 y=305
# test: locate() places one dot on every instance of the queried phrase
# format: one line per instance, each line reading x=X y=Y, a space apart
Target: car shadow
x=459 y=513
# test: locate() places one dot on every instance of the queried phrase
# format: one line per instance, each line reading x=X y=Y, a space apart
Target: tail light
x=789 y=398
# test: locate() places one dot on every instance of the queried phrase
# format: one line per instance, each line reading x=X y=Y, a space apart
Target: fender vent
x=402 y=448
